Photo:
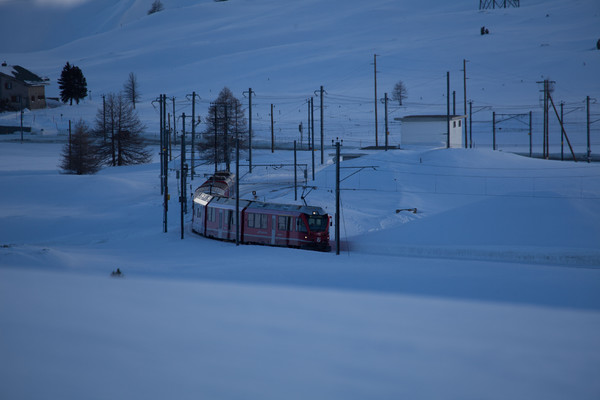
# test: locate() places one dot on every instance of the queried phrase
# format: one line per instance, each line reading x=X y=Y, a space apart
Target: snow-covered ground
x=490 y=291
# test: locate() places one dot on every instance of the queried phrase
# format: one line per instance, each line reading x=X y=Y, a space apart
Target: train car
x=273 y=224
x=221 y=183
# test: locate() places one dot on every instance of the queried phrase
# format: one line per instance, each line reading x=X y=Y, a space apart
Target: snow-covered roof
x=23 y=75
x=434 y=117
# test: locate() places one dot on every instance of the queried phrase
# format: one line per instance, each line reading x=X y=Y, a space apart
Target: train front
x=317 y=222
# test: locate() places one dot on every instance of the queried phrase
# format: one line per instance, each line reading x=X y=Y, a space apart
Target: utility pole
x=471 y=124
x=70 y=142
x=337 y=198
x=321 y=91
x=545 y=143
x=454 y=102
x=182 y=198
x=165 y=161
x=272 y=131
x=322 y=133
x=494 y=130
x=385 y=101
x=546 y=122
x=375 y=86
x=562 y=134
x=162 y=139
x=21 y=108
x=589 y=149
x=168 y=130
x=226 y=142
x=308 y=124
x=562 y=126
x=530 y=135
x=174 y=122
x=295 y=175
x=250 y=91
x=193 y=132
x=104 y=116
x=312 y=130
x=216 y=148
x=448 y=109
x=237 y=179
x=465 y=95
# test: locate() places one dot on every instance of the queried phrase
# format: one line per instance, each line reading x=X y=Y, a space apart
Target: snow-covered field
x=490 y=291
x=479 y=295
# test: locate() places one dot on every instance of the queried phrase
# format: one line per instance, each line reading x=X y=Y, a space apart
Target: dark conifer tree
x=79 y=154
x=72 y=84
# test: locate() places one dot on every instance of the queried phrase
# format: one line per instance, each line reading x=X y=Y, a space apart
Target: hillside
x=285 y=52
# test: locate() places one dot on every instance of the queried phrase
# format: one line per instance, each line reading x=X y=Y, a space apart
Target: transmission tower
x=485 y=4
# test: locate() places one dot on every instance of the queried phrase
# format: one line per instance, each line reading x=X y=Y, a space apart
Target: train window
x=300 y=225
x=258 y=221
x=230 y=218
x=317 y=223
x=284 y=223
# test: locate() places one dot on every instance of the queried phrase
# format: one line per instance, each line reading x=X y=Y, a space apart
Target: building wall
x=432 y=133
x=423 y=133
x=456 y=133
x=33 y=97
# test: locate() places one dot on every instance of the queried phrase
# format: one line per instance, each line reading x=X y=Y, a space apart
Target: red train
x=222 y=183
x=272 y=224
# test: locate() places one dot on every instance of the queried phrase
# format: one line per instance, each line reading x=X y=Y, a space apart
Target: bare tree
x=225 y=120
x=125 y=144
x=79 y=154
x=399 y=93
x=131 y=89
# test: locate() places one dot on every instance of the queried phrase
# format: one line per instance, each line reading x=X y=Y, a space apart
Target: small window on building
x=32 y=98
x=454 y=124
x=8 y=85
x=41 y=97
x=13 y=99
x=459 y=123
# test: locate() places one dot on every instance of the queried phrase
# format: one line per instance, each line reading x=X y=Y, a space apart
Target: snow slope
x=198 y=317
x=285 y=51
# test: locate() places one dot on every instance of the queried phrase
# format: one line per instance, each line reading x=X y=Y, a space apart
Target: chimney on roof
x=4 y=64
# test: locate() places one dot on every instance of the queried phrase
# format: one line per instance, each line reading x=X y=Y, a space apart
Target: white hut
x=431 y=130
